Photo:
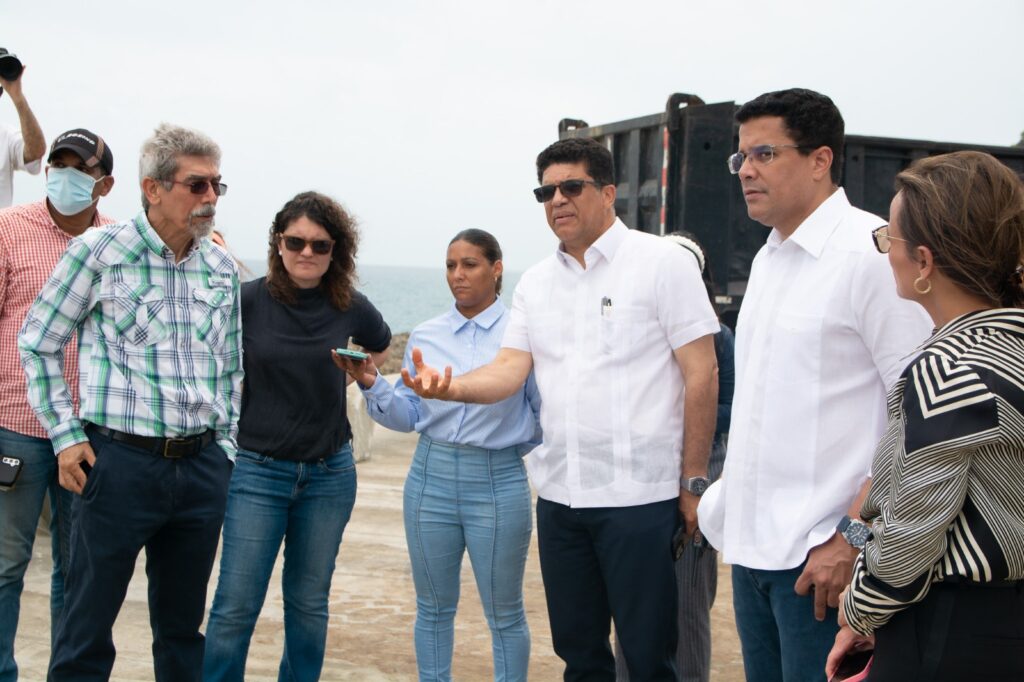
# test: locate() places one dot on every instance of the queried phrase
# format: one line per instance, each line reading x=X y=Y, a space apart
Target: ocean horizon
x=405 y=296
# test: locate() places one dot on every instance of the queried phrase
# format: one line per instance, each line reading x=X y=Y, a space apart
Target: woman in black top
x=294 y=478
x=938 y=587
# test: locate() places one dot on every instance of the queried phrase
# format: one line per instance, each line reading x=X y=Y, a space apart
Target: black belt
x=172 y=448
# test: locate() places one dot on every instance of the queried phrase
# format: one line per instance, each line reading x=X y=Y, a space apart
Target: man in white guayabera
x=619 y=331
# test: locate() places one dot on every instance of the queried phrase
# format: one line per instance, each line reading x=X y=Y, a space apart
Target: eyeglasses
x=883 y=240
x=321 y=247
x=762 y=154
x=568 y=188
x=200 y=186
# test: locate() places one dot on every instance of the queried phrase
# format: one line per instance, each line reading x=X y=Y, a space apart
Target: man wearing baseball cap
x=19 y=150
x=32 y=239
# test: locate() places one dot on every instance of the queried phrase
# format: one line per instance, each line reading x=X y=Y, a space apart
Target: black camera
x=10 y=66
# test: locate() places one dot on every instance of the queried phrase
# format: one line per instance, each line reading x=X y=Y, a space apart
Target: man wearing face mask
x=149 y=450
x=32 y=238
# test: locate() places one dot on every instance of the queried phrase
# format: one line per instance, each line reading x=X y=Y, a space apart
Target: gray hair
x=159 y=157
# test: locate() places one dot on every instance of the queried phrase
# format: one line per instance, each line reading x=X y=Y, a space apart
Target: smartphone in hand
x=854 y=667
x=354 y=354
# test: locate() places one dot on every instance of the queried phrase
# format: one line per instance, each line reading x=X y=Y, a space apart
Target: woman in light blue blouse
x=467 y=487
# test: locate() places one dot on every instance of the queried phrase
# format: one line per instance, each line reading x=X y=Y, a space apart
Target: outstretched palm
x=428 y=382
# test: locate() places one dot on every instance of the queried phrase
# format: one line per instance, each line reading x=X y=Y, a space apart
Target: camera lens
x=10 y=66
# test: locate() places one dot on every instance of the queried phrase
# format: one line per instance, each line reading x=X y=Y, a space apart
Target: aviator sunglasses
x=321 y=247
x=200 y=186
x=568 y=188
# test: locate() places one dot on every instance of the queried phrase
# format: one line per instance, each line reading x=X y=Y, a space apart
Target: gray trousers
x=697 y=580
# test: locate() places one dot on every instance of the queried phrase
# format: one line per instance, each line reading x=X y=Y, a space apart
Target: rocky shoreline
x=394 y=363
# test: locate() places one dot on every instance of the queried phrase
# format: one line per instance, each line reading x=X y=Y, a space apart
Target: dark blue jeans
x=19 y=516
x=610 y=562
x=133 y=500
x=781 y=639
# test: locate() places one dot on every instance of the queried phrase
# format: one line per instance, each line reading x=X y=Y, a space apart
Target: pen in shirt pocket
x=606 y=307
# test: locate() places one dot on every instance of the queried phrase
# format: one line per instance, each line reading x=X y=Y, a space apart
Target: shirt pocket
x=211 y=309
x=623 y=328
x=138 y=314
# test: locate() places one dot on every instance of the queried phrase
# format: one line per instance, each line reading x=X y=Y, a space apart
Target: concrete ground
x=372 y=603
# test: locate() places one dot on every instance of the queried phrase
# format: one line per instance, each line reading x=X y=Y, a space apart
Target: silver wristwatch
x=696 y=485
x=854 y=532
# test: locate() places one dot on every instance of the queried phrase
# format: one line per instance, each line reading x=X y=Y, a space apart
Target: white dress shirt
x=602 y=340
x=12 y=158
x=820 y=337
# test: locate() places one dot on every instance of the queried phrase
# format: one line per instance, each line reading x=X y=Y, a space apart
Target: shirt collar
x=485 y=318
x=155 y=243
x=606 y=246
x=814 y=232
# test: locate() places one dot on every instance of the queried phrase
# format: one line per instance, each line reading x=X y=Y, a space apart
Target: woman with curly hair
x=294 y=479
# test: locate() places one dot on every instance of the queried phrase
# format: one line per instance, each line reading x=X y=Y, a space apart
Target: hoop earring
x=918 y=289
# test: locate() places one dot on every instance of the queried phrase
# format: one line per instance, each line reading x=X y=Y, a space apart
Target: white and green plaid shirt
x=160 y=348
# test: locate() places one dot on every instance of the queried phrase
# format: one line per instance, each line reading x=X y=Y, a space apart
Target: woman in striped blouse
x=938 y=587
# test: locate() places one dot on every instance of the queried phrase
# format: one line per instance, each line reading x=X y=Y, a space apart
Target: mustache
x=204 y=225
x=205 y=211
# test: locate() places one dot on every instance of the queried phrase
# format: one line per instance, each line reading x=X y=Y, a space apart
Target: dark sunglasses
x=200 y=186
x=568 y=188
x=321 y=247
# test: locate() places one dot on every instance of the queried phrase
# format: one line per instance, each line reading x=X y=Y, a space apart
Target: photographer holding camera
x=18 y=150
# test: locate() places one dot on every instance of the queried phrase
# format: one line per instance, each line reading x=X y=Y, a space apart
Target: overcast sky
x=425 y=118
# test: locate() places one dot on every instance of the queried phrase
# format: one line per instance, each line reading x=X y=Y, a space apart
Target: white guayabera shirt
x=611 y=392
x=820 y=337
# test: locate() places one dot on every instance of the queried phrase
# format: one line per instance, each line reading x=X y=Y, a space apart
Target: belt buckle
x=174 y=442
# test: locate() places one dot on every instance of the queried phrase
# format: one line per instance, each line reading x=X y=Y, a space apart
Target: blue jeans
x=305 y=505
x=457 y=498
x=780 y=637
x=19 y=515
x=134 y=499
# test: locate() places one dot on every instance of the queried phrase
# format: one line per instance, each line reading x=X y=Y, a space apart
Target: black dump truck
x=672 y=175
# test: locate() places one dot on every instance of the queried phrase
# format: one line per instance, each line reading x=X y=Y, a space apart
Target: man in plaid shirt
x=149 y=451
x=32 y=238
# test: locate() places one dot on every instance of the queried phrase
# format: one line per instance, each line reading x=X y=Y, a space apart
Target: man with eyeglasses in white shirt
x=617 y=326
x=821 y=335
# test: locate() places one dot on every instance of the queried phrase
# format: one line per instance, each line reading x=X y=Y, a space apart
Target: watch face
x=697 y=485
x=857 y=534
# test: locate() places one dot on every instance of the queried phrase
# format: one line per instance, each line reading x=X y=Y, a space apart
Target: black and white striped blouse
x=947 y=494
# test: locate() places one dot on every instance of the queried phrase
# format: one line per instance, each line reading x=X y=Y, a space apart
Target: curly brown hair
x=968 y=208
x=339 y=280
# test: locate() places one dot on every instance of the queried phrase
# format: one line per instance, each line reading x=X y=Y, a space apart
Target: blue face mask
x=69 y=190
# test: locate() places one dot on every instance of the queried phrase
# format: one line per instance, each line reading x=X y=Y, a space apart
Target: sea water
x=405 y=296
